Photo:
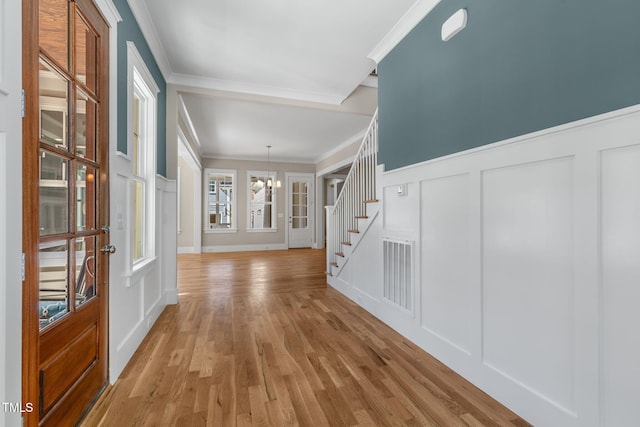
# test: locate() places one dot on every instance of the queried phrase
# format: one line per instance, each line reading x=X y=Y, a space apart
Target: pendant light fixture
x=270 y=183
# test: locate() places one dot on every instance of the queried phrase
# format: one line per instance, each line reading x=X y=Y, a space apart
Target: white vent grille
x=398 y=272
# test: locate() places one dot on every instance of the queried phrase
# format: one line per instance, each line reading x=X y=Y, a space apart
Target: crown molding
x=186 y=151
x=263 y=159
x=182 y=109
x=408 y=22
x=254 y=89
x=141 y=13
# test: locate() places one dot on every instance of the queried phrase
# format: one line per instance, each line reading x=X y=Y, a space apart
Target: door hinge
x=22 y=103
x=23 y=268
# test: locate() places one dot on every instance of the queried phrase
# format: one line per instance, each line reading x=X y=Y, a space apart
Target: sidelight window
x=142 y=103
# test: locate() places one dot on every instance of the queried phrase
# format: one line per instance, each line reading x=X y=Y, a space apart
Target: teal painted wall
x=128 y=30
x=519 y=66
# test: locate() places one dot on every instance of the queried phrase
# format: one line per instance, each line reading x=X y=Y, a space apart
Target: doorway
x=300 y=209
x=65 y=208
x=189 y=199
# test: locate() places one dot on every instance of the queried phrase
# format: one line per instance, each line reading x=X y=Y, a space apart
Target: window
x=139 y=184
x=262 y=201
x=142 y=149
x=221 y=202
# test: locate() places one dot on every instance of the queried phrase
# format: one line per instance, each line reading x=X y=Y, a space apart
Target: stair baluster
x=359 y=187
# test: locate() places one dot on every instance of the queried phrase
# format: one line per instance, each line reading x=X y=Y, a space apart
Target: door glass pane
x=53 y=107
x=54 y=194
x=54 y=33
x=300 y=187
x=299 y=209
x=54 y=279
x=85 y=197
x=86 y=49
x=85 y=269
x=86 y=125
x=299 y=223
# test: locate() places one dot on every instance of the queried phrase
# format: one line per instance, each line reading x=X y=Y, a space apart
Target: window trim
x=234 y=201
x=141 y=84
x=274 y=203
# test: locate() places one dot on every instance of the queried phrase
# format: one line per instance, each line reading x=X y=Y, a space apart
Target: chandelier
x=270 y=184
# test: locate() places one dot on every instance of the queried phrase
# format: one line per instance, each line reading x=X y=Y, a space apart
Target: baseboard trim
x=123 y=352
x=171 y=296
x=245 y=248
x=186 y=250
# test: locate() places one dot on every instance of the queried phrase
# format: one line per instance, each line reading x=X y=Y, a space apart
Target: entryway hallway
x=258 y=338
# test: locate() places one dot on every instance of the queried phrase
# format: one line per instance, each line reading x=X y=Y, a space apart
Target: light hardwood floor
x=259 y=339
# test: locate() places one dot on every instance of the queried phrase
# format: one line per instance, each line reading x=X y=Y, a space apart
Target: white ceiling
x=243 y=129
x=298 y=62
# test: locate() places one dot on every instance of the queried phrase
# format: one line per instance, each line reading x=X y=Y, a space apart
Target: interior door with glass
x=300 y=211
x=65 y=186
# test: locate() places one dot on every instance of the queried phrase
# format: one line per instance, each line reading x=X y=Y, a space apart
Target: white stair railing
x=358 y=189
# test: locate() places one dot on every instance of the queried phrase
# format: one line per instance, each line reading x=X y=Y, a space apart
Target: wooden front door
x=65 y=208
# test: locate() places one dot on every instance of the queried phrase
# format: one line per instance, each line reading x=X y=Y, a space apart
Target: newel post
x=330 y=236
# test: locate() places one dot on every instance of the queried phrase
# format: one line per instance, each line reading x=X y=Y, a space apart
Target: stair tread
x=371 y=201
x=361 y=217
x=334 y=264
x=353 y=231
x=340 y=254
x=346 y=243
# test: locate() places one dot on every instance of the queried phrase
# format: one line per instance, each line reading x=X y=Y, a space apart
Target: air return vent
x=398 y=272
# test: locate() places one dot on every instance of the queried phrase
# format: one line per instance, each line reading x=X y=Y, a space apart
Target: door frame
x=10 y=199
x=195 y=168
x=30 y=58
x=312 y=210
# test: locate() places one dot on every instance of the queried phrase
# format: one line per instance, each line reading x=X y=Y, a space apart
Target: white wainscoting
x=366 y=280
x=529 y=280
x=138 y=297
x=167 y=238
x=620 y=286
x=527 y=276
x=447 y=290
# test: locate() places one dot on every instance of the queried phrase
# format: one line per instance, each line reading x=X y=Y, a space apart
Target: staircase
x=357 y=204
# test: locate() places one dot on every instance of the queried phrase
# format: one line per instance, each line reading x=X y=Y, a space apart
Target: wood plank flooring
x=259 y=339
